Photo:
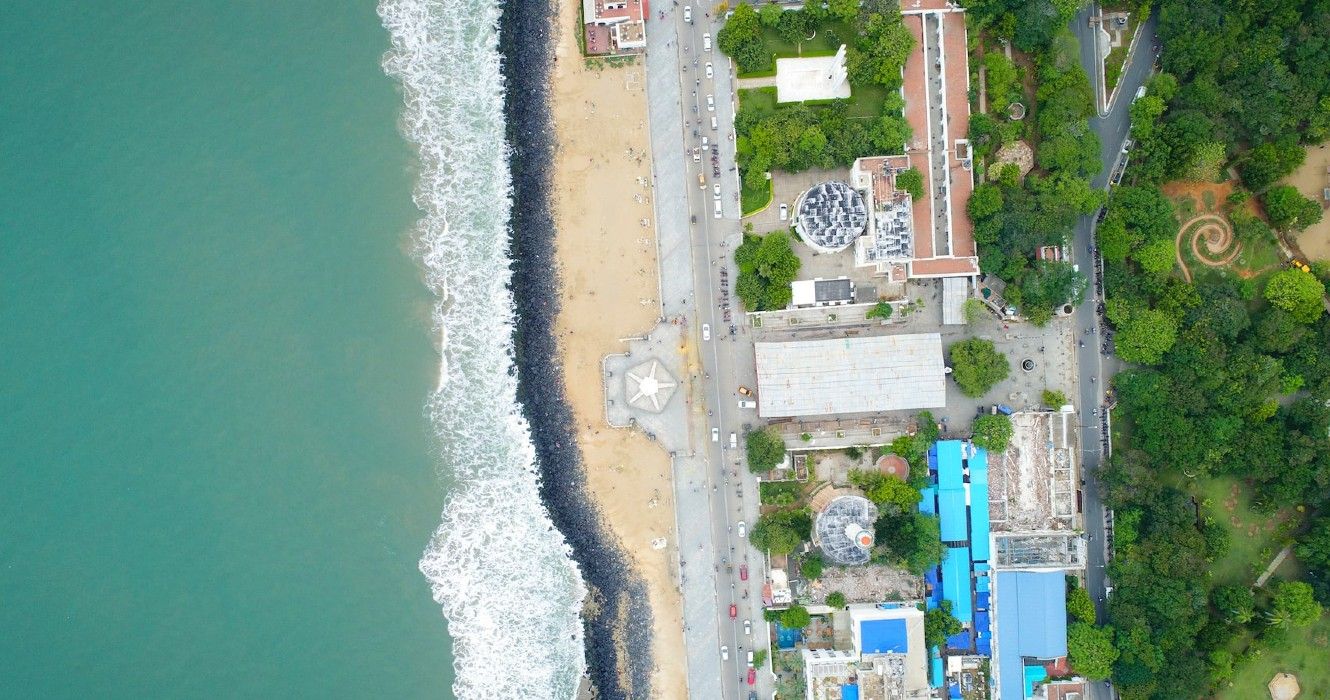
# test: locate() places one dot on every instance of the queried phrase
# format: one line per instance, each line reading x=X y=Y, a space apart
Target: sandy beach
x=606 y=255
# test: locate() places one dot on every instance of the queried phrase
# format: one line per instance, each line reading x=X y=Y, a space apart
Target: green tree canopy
x=1079 y=605
x=836 y=599
x=1294 y=604
x=1235 y=603
x=811 y=567
x=1053 y=399
x=1264 y=165
x=766 y=450
x=781 y=532
x=1143 y=335
x=1288 y=209
x=992 y=432
x=796 y=617
x=939 y=624
x=1298 y=293
x=977 y=366
x=880 y=310
x=741 y=39
x=886 y=491
x=767 y=265
x=911 y=181
x=1090 y=650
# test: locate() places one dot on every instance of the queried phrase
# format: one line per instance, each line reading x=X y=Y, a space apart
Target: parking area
x=786 y=188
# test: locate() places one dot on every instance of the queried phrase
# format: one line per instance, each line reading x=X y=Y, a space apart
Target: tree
x=973 y=310
x=1287 y=208
x=939 y=624
x=1236 y=603
x=741 y=39
x=977 y=366
x=1053 y=399
x=1264 y=165
x=795 y=26
x=795 y=617
x=1001 y=80
x=1298 y=293
x=1090 y=650
x=766 y=450
x=769 y=14
x=844 y=10
x=811 y=567
x=911 y=181
x=836 y=599
x=887 y=492
x=1079 y=605
x=1294 y=604
x=992 y=432
x=1156 y=257
x=1145 y=335
x=767 y=265
x=985 y=201
x=880 y=310
x=759 y=658
x=782 y=531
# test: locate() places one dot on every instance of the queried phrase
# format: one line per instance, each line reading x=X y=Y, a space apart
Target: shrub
x=992 y=432
x=1053 y=399
x=836 y=599
x=911 y=181
x=880 y=310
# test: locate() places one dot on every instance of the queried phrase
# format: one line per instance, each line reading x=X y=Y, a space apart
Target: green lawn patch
x=1254 y=538
x=754 y=201
x=761 y=101
x=1113 y=67
x=1307 y=657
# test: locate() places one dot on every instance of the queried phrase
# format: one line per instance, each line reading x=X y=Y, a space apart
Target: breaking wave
x=498 y=567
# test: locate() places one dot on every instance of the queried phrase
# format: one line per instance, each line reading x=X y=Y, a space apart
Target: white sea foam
x=496 y=564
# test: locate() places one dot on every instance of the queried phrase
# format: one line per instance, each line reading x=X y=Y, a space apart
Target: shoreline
x=616 y=615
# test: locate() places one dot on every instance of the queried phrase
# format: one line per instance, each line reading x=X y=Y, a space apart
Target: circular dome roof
x=829 y=216
x=844 y=530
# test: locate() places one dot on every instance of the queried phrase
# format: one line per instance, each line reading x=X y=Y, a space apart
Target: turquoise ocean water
x=217 y=471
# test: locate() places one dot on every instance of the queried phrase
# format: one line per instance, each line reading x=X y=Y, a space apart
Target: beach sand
x=607 y=260
x=1311 y=179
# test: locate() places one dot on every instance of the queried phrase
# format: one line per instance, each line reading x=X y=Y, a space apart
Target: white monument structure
x=812 y=78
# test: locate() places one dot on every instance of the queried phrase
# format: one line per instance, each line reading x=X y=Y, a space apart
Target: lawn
x=825 y=41
x=760 y=101
x=1254 y=539
x=1307 y=657
x=754 y=201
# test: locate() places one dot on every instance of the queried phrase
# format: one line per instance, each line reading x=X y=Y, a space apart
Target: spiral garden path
x=1211 y=241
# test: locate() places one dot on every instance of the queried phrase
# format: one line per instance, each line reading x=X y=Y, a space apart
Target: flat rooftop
x=850 y=375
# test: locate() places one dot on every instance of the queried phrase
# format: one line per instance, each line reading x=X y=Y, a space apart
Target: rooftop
x=1032 y=485
x=830 y=216
x=850 y=375
x=1031 y=623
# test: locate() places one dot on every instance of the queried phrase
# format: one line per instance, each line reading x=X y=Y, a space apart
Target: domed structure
x=844 y=530
x=829 y=216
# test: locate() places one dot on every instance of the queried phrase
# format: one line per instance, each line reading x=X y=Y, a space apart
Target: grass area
x=1254 y=538
x=825 y=42
x=760 y=101
x=754 y=201
x=1113 y=67
x=866 y=102
x=1307 y=657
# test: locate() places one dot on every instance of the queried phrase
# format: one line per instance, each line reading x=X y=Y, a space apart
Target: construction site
x=1032 y=494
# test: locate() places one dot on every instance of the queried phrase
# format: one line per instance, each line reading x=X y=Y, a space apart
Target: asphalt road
x=1112 y=127
x=724 y=358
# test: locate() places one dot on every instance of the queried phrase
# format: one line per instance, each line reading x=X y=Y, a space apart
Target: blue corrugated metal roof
x=981 y=601
x=959 y=641
x=956 y=583
x=949 y=465
x=981 y=583
x=928 y=500
x=1031 y=621
x=979 y=525
x=935 y=665
x=883 y=636
x=951 y=508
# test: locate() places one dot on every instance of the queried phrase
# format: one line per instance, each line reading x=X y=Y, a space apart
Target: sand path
x=1311 y=180
x=606 y=252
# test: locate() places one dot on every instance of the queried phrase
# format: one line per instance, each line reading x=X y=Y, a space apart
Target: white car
x=784 y=211
x=1140 y=92
x=706 y=41
x=715 y=434
x=706 y=331
x=717 y=210
x=706 y=143
x=711 y=103
x=750 y=658
x=715 y=191
x=743 y=528
x=748 y=627
x=709 y=73
x=688 y=13
x=724 y=653
x=713 y=122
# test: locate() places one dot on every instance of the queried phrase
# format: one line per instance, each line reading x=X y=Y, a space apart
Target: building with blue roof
x=888 y=658
x=1030 y=624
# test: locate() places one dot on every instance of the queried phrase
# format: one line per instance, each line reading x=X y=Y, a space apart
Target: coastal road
x=1095 y=368
x=713 y=491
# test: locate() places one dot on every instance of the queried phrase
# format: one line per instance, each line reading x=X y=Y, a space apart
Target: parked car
x=743 y=528
x=734 y=611
x=784 y=211
x=715 y=190
x=711 y=103
x=706 y=331
x=724 y=653
x=688 y=13
x=706 y=41
x=743 y=576
x=745 y=391
x=752 y=672
x=747 y=404
x=1140 y=92
x=717 y=208
x=709 y=72
x=748 y=628
x=715 y=434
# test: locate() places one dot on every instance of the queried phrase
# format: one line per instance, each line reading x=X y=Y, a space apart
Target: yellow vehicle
x=1300 y=265
x=701 y=181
